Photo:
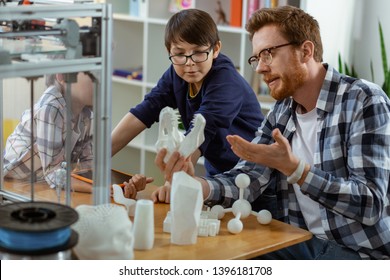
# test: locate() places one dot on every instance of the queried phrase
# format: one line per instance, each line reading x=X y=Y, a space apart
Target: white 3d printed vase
x=186 y=206
x=144 y=225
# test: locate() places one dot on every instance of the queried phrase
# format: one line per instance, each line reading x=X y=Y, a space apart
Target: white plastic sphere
x=264 y=217
x=218 y=210
x=235 y=226
x=242 y=181
x=242 y=206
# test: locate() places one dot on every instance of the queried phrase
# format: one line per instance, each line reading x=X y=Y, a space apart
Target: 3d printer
x=29 y=36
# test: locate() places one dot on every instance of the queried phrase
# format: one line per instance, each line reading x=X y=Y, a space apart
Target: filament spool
x=36 y=228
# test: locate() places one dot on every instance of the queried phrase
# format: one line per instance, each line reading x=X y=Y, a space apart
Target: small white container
x=144 y=225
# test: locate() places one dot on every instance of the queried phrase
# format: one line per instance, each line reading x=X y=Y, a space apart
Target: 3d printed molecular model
x=241 y=208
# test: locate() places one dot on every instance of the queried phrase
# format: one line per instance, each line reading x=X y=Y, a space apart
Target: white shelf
x=125 y=81
x=125 y=17
x=267 y=105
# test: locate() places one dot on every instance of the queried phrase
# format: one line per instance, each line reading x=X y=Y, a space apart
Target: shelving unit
x=139 y=41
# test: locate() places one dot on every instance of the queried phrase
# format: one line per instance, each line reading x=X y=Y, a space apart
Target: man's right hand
x=174 y=164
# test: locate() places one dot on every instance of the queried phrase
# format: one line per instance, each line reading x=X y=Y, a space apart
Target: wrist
x=297 y=173
x=305 y=172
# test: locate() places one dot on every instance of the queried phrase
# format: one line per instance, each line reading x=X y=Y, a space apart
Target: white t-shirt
x=303 y=146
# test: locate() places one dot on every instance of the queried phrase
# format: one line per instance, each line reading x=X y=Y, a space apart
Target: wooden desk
x=254 y=240
x=42 y=192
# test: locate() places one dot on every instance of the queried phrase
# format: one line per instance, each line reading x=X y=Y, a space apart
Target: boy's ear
x=217 y=49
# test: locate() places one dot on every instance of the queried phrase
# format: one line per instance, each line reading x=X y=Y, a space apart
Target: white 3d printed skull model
x=170 y=138
x=105 y=233
x=241 y=208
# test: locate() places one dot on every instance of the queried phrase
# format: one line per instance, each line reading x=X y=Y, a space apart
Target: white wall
x=16 y=96
x=350 y=27
x=366 y=45
x=335 y=18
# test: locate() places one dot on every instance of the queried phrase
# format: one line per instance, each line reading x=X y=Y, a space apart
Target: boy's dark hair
x=294 y=24
x=192 y=26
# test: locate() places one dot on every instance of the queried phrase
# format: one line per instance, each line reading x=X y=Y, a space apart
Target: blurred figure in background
x=49 y=130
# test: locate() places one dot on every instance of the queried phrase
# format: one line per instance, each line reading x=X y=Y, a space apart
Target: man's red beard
x=288 y=84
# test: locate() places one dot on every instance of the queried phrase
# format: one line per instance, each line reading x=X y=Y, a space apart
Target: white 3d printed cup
x=144 y=225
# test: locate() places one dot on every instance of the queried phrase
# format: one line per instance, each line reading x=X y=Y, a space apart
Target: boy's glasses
x=265 y=56
x=197 y=57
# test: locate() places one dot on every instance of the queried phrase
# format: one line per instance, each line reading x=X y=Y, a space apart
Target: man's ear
x=307 y=50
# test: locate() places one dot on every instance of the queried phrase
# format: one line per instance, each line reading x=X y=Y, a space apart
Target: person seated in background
x=201 y=80
x=324 y=146
x=49 y=130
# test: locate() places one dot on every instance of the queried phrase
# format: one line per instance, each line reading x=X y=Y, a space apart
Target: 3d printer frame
x=76 y=60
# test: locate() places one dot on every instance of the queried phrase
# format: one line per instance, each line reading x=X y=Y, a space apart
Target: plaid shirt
x=350 y=175
x=49 y=141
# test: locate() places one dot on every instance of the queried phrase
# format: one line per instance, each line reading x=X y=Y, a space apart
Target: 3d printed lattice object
x=209 y=225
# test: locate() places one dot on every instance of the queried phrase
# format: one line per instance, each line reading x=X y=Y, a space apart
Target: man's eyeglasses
x=265 y=56
x=197 y=57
